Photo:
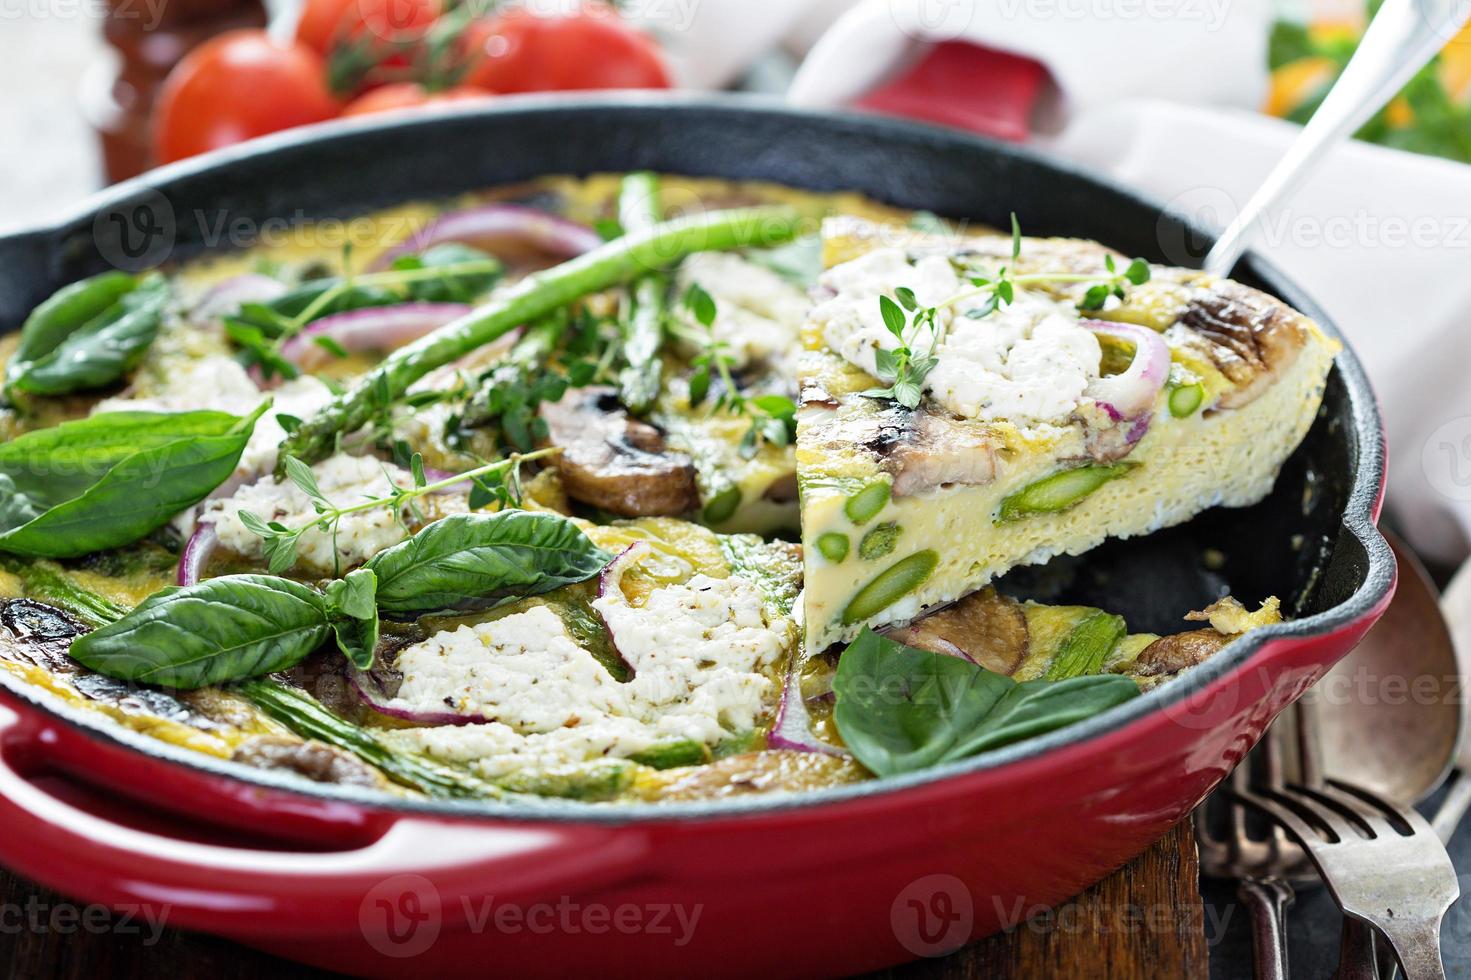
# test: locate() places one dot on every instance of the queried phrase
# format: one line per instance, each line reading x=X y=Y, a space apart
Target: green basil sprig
x=108 y=480
x=900 y=709
x=239 y=626
x=475 y=561
x=222 y=629
x=88 y=334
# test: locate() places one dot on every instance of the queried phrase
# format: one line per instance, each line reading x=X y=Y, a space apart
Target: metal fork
x=1383 y=863
x=1263 y=860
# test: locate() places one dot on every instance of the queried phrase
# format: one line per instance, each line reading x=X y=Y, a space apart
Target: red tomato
x=519 y=51
x=326 y=23
x=399 y=96
x=236 y=86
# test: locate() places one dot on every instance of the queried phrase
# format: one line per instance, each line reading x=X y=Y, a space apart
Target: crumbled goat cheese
x=343 y=480
x=219 y=383
x=522 y=670
x=758 y=314
x=1030 y=361
x=698 y=651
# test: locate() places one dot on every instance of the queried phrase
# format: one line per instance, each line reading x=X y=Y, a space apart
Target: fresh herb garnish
x=87 y=335
x=903 y=368
x=900 y=709
x=218 y=630
x=536 y=296
x=109 y=480
x=468 y=562
x=239 y=626
x=772 y=417
x=492 y=482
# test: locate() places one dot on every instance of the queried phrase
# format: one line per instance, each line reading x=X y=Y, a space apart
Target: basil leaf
x=475 y=561
x=221 y=629
x=108 y=480
x=88 y=335
x=351 y=604
x=900 y=709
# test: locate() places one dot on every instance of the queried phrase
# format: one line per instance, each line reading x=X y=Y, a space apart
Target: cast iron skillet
x=1312 y=542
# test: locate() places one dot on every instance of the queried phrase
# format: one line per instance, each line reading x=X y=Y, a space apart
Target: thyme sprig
x=772 y=418
x=903 y=368
x=497 y=481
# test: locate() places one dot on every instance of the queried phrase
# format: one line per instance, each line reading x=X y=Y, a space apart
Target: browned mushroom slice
x=613 y=461
x=925 y=449
x=751 y=773
x=317 y=762
x=985 y=627
x=34 y=633
x=1172 y=654
x=1249 y=336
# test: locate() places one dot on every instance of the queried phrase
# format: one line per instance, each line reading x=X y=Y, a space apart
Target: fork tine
x=1277 y=811
x=1371 y=820
x=1392 y=811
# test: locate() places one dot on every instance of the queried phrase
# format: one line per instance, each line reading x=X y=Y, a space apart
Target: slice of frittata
x=1036 y=429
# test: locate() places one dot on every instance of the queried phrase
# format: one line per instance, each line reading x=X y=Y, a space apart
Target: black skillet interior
x=1293 y=544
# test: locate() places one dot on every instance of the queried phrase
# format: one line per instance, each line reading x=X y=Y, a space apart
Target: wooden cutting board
x=1143 y=921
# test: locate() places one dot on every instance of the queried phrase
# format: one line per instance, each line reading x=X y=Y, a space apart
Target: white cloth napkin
x=1381 y=238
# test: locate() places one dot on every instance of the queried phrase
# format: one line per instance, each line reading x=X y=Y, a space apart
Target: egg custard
x=1058 y=395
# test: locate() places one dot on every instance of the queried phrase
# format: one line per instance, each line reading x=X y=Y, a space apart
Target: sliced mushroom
x=1172 y=654
x=782 y=490
x=985 y=627
x=314 y=760
x=924 y=450
x=753 y=772
x=613 y=461
x=1249 y=336
x=38 y=634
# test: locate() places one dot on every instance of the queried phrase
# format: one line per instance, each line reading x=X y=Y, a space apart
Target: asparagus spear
x=46 y=582
x=638 y=211
x=304 y=715
x=614 y=263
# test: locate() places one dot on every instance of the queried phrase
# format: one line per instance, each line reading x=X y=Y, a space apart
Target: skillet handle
x=396 y=869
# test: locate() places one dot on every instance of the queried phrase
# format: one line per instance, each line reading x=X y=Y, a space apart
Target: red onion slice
x=1127 y=395
x=199 y=549
x=370 y=691
x=370 y=328
x=501 y=229
x=228 y=296
x=611 y=579
x=792 y=729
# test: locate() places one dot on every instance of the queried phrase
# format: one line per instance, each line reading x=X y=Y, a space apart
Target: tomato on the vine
x=409 y=95
x=520 y=51
x=236 y=86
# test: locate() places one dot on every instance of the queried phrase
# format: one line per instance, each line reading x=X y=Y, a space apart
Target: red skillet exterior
x=815 y=890
x=854 y=882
